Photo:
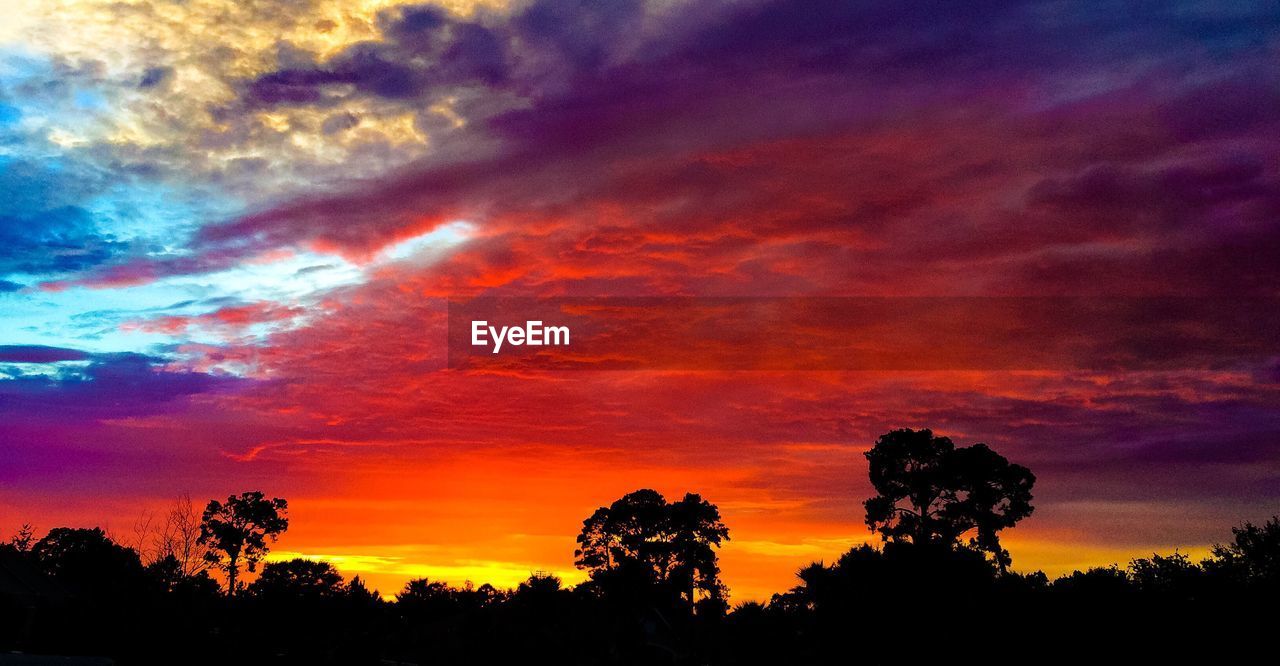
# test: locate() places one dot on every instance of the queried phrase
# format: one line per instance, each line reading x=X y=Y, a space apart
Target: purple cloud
x=39 y=354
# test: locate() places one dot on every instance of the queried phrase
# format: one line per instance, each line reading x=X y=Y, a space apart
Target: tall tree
x=696 y=531
x=671 y=544
x=236 y=532
x=931 y=492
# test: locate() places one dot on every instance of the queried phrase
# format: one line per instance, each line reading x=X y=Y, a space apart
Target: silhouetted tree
x=990 y=494
x=539 y=585
x=1167 y=576
x=422 y=597
x=908 y=465
x=76 y=591
x=100 y=587
x=472 y=597
x=360 y=594
x=169 y=573
x=179 y=538
x=893 y=595
x=298 y=579
x=24 y=538
x=660 y=543
x=696 y=531
x=929 y=491
x=141 y=537
x=236 y=532
x=166 y=571
x=1098 y=582
x=89 y=563
x=1253 y=555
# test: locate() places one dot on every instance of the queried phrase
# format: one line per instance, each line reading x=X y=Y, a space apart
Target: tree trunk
x=233 y=568
x=692 y=584
x=922 y=531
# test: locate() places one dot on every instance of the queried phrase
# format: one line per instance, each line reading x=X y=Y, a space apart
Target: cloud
x=92 y=387
x=39 y=354
x=1170 y=197
x=707 y=107
x=61 y=240
x=424 y=52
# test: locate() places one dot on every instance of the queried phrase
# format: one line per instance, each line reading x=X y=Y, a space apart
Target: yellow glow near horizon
x=388 y=575
x=776 y=561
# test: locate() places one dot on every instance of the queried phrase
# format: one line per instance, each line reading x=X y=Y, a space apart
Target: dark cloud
x=475 y=54
x=339 y=122
x=412 y=22
x=112 y=385
x=423 y=51
x=39 y=354
x=587 y=33
x=294 y=86
x=154 y=76
x=1166 y=197
x=53 y=241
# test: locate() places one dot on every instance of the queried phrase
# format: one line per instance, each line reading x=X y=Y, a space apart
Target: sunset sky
x=229 y=231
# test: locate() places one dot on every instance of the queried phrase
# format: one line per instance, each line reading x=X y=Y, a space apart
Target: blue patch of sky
x=67 y=209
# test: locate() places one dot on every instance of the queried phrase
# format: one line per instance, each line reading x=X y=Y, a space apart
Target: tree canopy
x=929 y=491
x=88 y=562
x=1252 y=557
x=643 y=537
x=298 y=578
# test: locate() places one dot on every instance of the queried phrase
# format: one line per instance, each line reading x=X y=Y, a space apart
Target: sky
x=229 y=233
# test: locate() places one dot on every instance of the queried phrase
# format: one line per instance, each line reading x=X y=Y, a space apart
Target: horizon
x=142 y=534
x=387 y=574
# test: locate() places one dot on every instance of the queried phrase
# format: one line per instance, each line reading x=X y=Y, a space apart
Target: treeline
x=901 y=603
x=940 y=589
